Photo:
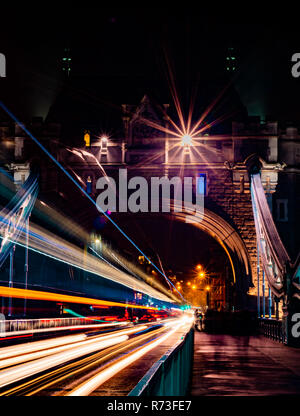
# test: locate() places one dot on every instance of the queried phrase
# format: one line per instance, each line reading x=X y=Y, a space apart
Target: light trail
x=50 y=347
x=60 y=355
x=58 y=297
x=46 y=245
x=93 y=383
x=46 y=351
x=60 y=328
x=68 y=371
x=21 y=371
x=78 y=186
x=13 y=350
x=71 y=312
x=76 y=230
x=144 y=276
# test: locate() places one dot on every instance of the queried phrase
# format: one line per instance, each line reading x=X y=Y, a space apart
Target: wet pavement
x=226 y=365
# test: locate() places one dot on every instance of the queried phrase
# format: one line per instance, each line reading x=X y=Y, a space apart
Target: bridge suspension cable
x=274 y=257
x=15 y=215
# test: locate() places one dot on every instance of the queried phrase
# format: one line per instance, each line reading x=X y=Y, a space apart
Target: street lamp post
x=207 y=296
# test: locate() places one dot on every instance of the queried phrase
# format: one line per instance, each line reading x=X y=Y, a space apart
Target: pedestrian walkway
x=227 y=365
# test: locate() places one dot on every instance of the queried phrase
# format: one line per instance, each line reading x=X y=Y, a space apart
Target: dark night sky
x=118 y=54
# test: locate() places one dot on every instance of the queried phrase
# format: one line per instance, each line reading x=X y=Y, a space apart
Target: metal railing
x=171 y=374
x=273 y=329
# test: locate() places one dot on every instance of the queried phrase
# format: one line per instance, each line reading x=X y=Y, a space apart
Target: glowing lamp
x=186 y=140
x=87 y=140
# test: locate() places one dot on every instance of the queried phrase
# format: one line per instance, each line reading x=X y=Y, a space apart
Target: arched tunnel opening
x=206 y=264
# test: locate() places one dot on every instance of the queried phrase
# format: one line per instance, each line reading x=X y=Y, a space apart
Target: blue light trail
x=83 y=191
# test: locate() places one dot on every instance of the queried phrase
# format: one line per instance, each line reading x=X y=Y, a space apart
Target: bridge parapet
x=171 y=374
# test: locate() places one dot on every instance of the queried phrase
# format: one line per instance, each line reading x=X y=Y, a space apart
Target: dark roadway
x=227 y=365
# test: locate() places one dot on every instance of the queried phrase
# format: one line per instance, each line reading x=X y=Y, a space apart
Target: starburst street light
x=186 y=140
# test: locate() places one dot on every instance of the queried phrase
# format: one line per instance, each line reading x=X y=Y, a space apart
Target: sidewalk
x=227 y=365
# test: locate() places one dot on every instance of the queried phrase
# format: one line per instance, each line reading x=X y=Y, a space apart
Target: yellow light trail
x=58 y=297
x=33 y=386
x=64 y=354
x=50 y=347
x=93 y=383
x=21 y=371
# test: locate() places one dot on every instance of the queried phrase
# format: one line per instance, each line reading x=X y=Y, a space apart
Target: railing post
x=276 y=309
x=263 y=293
x=257 y=268
x=270 y=303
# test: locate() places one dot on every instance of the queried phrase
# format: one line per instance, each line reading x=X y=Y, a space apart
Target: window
x=89 y=184
x=201 y=184
x=282 y=210
x=103 y=145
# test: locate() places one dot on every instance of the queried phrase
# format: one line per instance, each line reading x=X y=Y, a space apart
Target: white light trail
x=59 y=328
x=25 y=370
x=64 y=354
x=93 y=383
x=49 y=245
x=30 y=347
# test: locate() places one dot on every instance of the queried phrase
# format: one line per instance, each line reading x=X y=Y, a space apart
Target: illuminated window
x=201 y=184
x=89 y=184
x=104 y=145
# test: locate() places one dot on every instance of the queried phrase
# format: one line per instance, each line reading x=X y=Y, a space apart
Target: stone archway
x=233 y=245
x=224 y=234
